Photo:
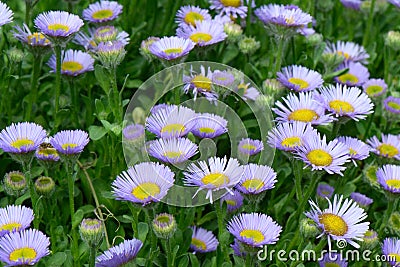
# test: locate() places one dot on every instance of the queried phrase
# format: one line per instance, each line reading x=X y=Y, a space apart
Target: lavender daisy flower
x=374 y=87
x=361 y=199
x=23 y=137
x=174 y=150
x=74 y=63
x=346 y=101
x=176 y=121
x=170 y=48
x=133 y=133
x=102 y=11
x=47 y=152
x=325 y=191
x=289 y=136
x=389 y=147
x=120 y=255
x=35 y=39
x=396 y=3
x=246 y=91
x=233 y=201
x=391 y=248
x=302 y=107
x=353 y=4
x=70 y=141
x=206 y=32
x=203 y=241
x=331 y=259
x=250 y=147
x=14 y=219
x=99 y=35
x=358 y=150
x=208 y=125
x=158 y=107
x=231 y=8
x=356 y=75
x=188 y=15
x=200 y=83
x=283 y=16
x=256 y=179
x=223 y=78
x=213 y=175
x=6 y=15
x=349 y=50
x=143 y=183
x=24 y=248
x=58 y=24
x=299 y=78
x=320 y=155
x=389 y=178
x=254 y=229
x=340 y=221
x=392 y=104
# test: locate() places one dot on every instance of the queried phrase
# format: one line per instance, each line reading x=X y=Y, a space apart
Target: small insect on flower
x=120 y=255
x=250 y=147
x=204 y=33
x=209 y=125
x=299 y=78
x=374 y=87
x=70 y=142
x=340 y=221
x=188 y=15
x=391 y=249
x=213 y=175
x=23 y=137
x=74 y=63
x=389 y=147
x=103 y=11
x=6 y=15
x=14 y=219
x=345 y=101
x=254 y=229
x=256 y=179
x=24 y=248
x=389 y=178
x=203 y=240
x=143 y=183
x=173 y=150
x=392 y=104
x=58 y=24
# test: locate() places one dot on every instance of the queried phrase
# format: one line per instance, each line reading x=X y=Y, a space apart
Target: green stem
x=371 y=119
x=249 y=260
x=280 y=41
x=392 y=204
x=34 y=84
x=26 y=166
x=386 y=64
x=115 y=98
x=27 y=12
x=369 y=24
x=177 y=96
x=92 y=257
x=336 y=128
x=221 y=228
x=135 y=222
x=298 y=174
x=170 y=258
x=57 y=50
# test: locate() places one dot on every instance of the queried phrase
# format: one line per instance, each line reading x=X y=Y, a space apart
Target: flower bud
x=370 y=239
x=111 y=54
x=15 y=55
x=392 y=39
x=164 y=225
x=45 y=186
x=308 y=228
x=394 y=222
x=91 y=231
x=248 y=45
x=234 y=32
x=15 y=183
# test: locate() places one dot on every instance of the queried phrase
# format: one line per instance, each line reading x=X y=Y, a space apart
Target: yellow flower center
x=325 y=193
x=249 y=147
x=230 y=202
x=199 y=243
x=243 y=88
x=388 y=150
x=22 y=254
x=10 y=226
x=202 y=82
x=72 y=66
x=232 y=3
x=289 y=20
x=293 y=141
x=201 y=37
x=352 y=152
x=37 y=37
x=206 y=130
x=48 y=151
x=331 y=264
x=394 y=256
x=145 y=190
x=102 y=14
x=22 y=143
x=173 y=128
x=68 y=145
x=255 y=235
x=216 y=179
x=341 y=106
x=319 y=157
x=333 y=224
x=173 y=154
x=393 y=183
x=191 y=18
x=348 y=78
x=300 y=82
x=369 y=233
x=255 y=184
x=173 y=51
x=373 y=90
x=346 y=55
x=304 y=115
x=58 y=27
x=394 y=105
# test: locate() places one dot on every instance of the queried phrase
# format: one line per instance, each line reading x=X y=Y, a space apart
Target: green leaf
x=77 y=219
x=193 y=260
x=57 y=259
x=230 y=53
x=22 y=198
x=97 y=132
x=136 y=83
x=184 y=261
x=102 y=77
x=143 y=229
